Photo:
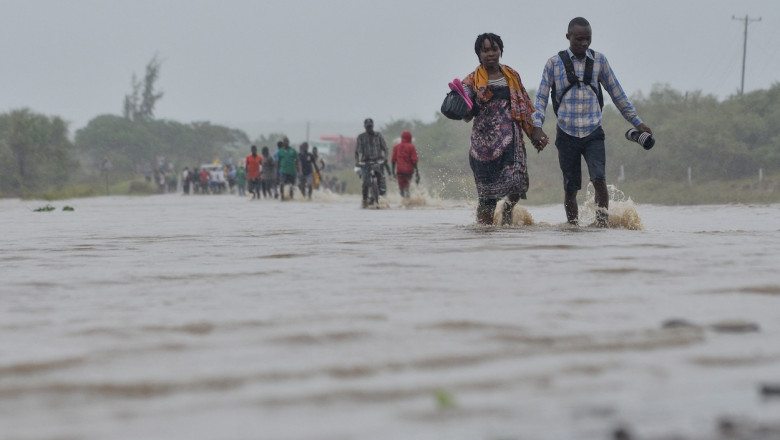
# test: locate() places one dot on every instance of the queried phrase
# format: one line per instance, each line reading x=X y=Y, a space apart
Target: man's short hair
x=577 y=21
x=368 y=120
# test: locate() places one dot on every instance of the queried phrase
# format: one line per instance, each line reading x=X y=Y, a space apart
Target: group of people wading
x=276 y=176
x=270 y=176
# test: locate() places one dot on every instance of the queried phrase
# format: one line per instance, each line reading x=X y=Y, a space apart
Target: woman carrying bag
x=501 y=112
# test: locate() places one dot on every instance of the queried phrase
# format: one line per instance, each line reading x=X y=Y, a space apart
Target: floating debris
x=735 y=327
x=770 y=390
x=46 y=208
x=444 y=399
x=677 y=323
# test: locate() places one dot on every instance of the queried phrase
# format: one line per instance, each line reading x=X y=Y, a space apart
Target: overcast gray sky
x=260 y=65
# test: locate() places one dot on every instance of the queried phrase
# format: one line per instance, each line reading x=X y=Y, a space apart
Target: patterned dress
x=497 y=155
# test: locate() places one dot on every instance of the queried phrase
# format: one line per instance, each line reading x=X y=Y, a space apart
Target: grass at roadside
x=136 y=187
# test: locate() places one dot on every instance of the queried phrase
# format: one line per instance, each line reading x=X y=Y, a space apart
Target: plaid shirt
x=371 y=148
x=579 y=113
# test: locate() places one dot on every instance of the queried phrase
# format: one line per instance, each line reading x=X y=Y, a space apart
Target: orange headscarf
x=521 y=104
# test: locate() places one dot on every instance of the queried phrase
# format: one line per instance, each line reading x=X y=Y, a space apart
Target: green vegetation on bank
x=707 y=151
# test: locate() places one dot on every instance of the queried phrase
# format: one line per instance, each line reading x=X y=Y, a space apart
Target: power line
x=767 y=64
x=744 y=48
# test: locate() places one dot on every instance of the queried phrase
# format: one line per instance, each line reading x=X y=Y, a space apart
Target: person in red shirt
x=204 y=181
x=253 y=164
x=405 y=157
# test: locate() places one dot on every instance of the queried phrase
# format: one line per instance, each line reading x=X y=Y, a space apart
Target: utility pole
x=744 y=48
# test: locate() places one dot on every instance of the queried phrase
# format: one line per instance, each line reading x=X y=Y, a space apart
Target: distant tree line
x=131 y=144
x=36 y=151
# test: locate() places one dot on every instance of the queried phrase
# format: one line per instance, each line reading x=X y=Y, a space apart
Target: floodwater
x=215 y=317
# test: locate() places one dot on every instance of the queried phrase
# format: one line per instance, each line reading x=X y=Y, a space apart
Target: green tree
x=269 y=140
x=139 y=104
x=35 y=152
x=133 y=145
x=126 y=143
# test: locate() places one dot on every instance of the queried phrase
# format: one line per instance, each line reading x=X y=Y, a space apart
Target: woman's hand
x=539 y=139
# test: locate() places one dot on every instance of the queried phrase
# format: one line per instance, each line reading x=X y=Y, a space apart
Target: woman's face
x=489 y=54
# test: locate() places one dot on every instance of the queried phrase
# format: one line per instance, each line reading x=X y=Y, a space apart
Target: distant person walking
x=502 y=112
x=307 y=167
x=205 y=179
x=253 y=164
x=371 y=149
x=277 y=184
x=577 y=101
x=405 y=158
x=268 y=177
x=185 y=180
x=241 y=180
x=289 y=167
x=319 y=167
x=230 y=170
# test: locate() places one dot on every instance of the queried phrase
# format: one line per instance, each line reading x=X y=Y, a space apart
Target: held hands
x=539 y=139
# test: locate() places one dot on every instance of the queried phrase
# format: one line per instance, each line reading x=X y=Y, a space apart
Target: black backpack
x=587 y=79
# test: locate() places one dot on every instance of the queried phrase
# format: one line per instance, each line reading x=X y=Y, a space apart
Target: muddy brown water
x=217 y=317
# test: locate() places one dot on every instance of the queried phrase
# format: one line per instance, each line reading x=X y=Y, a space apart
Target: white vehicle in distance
x=217 y=181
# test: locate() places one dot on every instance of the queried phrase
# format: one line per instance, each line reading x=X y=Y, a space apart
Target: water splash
x=420 y=196
x=520 y=215
x=414 y=201
x=325 y=195
x=622 y=210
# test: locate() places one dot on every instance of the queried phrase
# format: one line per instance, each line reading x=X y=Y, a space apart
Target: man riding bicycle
x=371 y=150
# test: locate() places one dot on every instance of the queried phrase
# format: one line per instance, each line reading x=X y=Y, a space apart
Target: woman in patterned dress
x=502 y=111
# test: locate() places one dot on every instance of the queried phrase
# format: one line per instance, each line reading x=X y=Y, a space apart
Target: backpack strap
x=569 y=66
x=587 y=78
x=572 y=79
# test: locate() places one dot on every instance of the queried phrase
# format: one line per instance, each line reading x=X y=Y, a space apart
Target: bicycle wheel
x=375 y=189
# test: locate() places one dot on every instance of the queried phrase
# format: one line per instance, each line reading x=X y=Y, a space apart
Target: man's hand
x=539 y=139
x=644 y=128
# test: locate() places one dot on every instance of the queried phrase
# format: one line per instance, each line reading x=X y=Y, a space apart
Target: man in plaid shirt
x=371 y=148
x=579 y=131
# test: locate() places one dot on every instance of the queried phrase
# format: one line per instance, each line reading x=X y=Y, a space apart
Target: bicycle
x=374 y=169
